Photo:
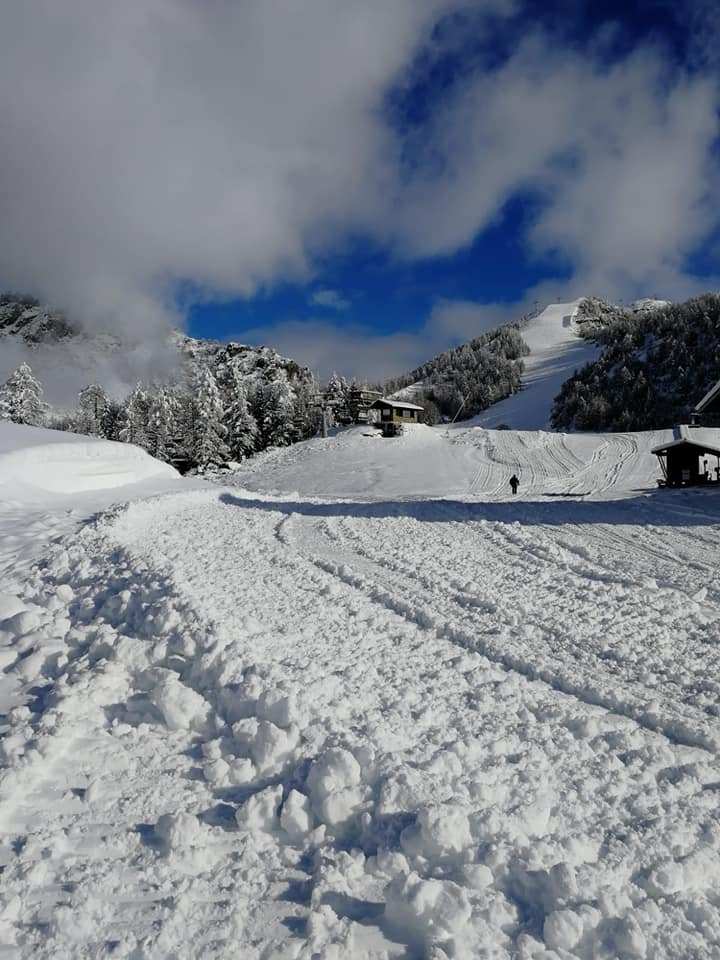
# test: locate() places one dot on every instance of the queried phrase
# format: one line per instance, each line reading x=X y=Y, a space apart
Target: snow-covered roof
x=699 y=436
x=398 y=404
x=710 y=395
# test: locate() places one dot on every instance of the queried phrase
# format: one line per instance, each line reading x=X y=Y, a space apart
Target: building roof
x=708 y=398
x=397 y=404
x=702 y=437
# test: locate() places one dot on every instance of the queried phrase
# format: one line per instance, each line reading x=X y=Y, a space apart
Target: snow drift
x=57 y=462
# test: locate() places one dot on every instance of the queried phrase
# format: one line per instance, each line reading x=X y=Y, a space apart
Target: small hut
x=684 y=460
x=394 y=414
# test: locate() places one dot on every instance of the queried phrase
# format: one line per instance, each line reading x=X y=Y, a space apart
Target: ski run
x=357 y=701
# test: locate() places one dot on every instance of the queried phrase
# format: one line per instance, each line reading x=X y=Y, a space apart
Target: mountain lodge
x=394 y=414
x=684 y=460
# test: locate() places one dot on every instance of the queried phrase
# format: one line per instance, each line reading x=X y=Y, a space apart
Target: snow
x=51 y=460
x=556 y=352
x=364 y=703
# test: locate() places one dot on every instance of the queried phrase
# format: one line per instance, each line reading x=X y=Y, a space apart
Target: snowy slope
x=556 y=351
x=372 y=708
x=461 y=463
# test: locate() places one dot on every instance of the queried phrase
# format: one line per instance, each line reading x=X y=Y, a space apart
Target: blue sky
x=359 y=184
x=374 y=289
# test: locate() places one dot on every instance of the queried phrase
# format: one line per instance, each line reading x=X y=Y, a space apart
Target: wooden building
x=358 y=404
x=691 y=458
x=393 y=415
x=707 y=411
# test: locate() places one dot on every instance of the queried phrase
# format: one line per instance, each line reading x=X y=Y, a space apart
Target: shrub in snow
x=426 y=912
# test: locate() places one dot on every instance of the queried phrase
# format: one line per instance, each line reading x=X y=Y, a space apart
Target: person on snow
x=514 y=483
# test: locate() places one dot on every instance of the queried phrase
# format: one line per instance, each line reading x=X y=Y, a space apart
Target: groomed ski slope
x=556 y=351
x=373 y=719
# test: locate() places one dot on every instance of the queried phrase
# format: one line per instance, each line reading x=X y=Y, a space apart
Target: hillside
x=652 y=365
x=556 y=351
x=468 y=378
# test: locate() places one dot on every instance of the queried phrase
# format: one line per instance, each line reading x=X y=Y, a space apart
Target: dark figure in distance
x=514 y=483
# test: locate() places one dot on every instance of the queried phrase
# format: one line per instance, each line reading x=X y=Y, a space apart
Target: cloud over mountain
x=223 y=146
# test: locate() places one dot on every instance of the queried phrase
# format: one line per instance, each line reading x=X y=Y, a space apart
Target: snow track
x=279 y=727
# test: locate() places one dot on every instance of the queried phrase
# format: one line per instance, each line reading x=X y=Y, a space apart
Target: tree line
x=654 y=366
x=211 y=416
x=472 y=377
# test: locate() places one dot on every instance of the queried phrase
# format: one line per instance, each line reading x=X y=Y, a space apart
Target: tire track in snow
x=677 y=728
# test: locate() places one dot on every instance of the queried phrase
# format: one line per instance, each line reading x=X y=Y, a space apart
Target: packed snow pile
x=556 y=351
x=59 y=462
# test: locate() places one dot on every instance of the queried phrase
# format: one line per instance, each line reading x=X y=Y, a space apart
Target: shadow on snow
x=675 y=508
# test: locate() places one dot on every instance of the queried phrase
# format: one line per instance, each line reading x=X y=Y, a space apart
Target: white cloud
x=332 y=299
x=232 y=144
x=364 y=352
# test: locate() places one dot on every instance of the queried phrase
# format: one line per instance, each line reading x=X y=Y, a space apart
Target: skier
x=514 y=483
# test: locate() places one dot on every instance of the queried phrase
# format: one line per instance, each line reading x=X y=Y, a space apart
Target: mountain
x=468 y=378
x=654 y=361
x=556 y=349
x=24 y=317
x=44 y=331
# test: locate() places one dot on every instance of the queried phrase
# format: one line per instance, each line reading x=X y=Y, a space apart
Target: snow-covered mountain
x=58 y=349
x=556 y=351
x=24 y=317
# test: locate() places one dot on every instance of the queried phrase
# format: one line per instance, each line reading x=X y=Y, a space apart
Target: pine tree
x=161 y=426
x=136 y=416
x=94 y=403
x=241 y=425
x=21 y=398
x=276 y=413
x=209 y=431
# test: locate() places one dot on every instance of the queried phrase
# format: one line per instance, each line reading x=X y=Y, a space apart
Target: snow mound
x=58 y=462
x=556 y=351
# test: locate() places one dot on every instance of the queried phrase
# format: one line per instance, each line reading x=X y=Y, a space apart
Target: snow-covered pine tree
x=93 y=402
x=137 y=410
x=209 y=431
x=161 y=427
x=306 y=419
x=275 y=401
x=21 y=398
x=241 y=426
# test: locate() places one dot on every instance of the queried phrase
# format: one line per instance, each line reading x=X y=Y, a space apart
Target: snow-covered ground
x=556 y=351
x=362 y=703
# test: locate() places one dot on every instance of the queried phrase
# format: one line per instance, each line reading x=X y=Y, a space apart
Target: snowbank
x=58 y=462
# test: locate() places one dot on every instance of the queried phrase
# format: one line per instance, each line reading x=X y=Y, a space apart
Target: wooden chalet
x=691 y=458
x=393 y=415
x=707 y=411
x=358 y=404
